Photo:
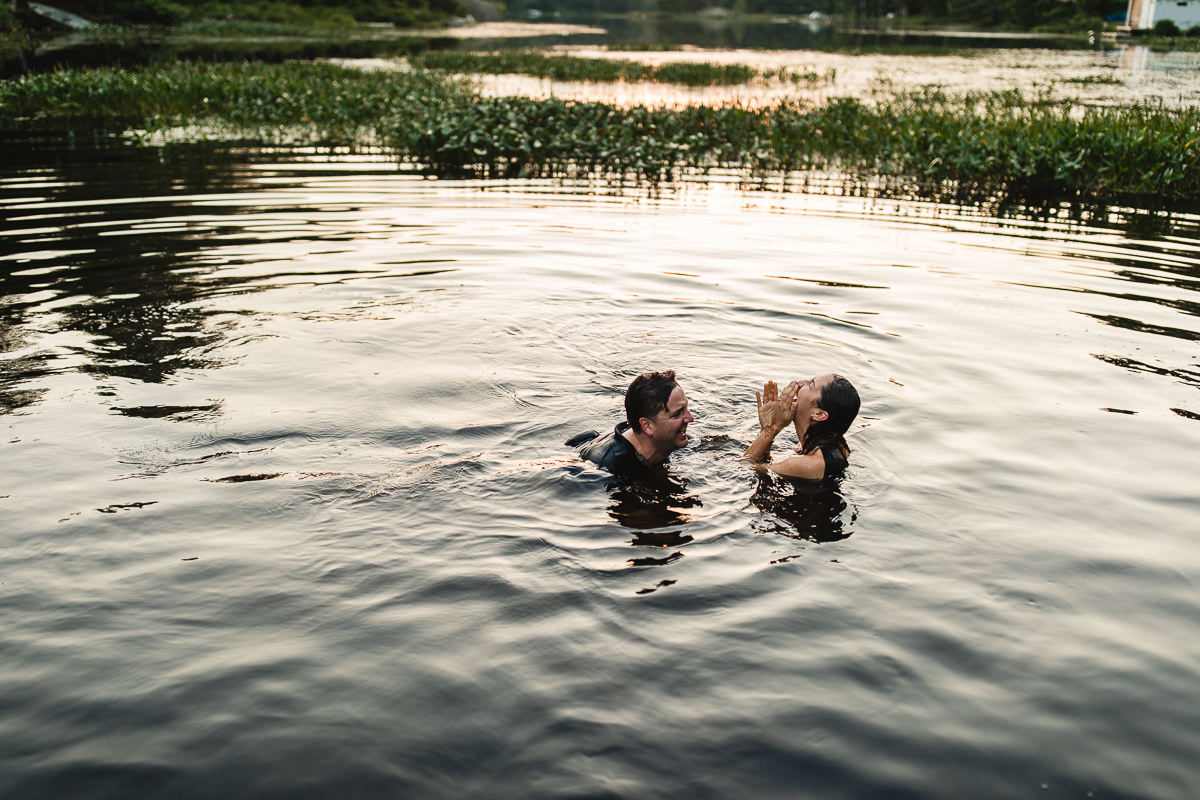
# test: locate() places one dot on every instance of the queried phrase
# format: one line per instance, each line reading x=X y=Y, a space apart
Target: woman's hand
x=775 y=412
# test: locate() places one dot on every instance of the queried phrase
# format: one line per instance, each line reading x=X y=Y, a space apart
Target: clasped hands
x=776 y=411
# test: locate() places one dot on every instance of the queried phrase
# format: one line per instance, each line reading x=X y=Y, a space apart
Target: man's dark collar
x=620 y=431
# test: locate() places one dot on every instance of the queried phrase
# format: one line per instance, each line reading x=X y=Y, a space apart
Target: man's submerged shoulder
x=612 y=451
x=580 y=439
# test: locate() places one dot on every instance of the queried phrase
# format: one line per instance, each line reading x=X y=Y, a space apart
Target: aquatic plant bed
x=262 y=101
x=573 y=68
x=975 y=144
x=982 y=143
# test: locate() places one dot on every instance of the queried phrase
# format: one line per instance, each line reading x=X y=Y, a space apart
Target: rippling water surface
x=1121 y=75
x=287 y=510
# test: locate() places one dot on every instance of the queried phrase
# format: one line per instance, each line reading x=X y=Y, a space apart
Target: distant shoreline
x=955 y=34
x=509 y=30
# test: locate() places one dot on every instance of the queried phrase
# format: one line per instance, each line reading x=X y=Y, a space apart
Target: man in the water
x=656 y=420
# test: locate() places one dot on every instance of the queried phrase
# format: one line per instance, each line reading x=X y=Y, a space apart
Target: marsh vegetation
x=573 y=68
x=968 y=145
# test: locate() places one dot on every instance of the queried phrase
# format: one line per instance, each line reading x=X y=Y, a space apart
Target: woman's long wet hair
x=840 y=401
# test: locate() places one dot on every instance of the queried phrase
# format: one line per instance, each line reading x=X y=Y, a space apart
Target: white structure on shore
x=73 y=21
x=1145 y=13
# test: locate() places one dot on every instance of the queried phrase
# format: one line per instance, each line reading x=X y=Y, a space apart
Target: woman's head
x=834 y=406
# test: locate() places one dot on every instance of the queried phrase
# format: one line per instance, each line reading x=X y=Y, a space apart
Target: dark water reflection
x=777 y=32
x=817 y=512
x=132 y=273
x=656 y=502
x=287 y=510
x=133 y=49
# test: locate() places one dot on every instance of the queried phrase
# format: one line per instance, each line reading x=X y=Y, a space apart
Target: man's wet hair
x=647 y=395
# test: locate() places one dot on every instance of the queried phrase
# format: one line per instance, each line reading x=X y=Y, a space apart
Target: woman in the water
x=821 y=409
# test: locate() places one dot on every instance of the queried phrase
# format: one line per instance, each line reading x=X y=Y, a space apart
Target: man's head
x=658 y=409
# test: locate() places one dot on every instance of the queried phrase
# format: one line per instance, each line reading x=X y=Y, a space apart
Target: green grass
x=572 y=68
x=1167 y=44
x=978 y=146
x=1094 y=80
x=974 y=146
x=642 y=47
x=255 y=29
x=325 y=102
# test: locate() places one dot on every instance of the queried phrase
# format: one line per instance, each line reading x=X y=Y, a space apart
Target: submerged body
x=614 y=452
x=834 y=460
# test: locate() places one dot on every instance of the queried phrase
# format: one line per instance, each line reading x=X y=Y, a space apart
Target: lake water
x=287 y=510
x=1103 y=76
x=1108 y=75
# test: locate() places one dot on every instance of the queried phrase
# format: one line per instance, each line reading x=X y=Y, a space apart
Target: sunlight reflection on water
x=288 y=508
x=1120 y=75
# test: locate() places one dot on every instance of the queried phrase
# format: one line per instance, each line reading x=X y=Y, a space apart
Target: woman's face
x=808 y=397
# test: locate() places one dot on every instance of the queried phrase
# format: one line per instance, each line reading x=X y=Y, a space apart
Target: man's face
x=668 y=429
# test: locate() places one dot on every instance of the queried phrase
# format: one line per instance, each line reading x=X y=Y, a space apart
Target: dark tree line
x=983 y=14
x=299 y=12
